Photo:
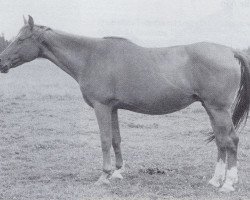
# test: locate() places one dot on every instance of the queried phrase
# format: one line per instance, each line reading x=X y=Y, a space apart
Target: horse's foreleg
x=116 y=143
x=104 y=118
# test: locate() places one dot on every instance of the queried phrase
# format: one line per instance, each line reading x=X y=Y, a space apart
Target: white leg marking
x=219 y=174
x=117 y=173
x=231 y=178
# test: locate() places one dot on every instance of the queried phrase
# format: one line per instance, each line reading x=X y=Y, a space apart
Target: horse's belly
x=157 y=104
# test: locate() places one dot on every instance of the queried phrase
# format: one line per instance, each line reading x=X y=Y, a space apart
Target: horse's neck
x=67 y=51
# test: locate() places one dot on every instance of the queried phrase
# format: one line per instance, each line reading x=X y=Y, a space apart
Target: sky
x=145 y=22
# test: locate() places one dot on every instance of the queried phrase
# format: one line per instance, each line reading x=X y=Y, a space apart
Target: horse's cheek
x=29 y=53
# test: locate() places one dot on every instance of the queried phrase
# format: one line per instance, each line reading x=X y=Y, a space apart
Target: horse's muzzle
x=4 y=68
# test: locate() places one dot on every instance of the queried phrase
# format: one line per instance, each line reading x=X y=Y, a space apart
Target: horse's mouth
x=5 y=69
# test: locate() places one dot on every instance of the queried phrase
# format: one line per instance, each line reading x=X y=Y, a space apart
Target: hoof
x=122 y=169
x=226 y=188
x=117 y=174
x=214 y=183
x=103 y=180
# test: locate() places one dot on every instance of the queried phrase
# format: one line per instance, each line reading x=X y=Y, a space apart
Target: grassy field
x=50 y=146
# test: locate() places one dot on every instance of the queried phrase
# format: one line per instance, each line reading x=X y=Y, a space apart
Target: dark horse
x=114 y=73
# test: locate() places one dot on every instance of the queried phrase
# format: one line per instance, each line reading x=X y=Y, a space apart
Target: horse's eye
x=19 y=41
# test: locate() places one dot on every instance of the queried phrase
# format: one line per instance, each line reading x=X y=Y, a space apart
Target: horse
x=114 y=73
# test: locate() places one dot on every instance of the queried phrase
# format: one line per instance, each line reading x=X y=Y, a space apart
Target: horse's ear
x=24 y=20
x=31 y=22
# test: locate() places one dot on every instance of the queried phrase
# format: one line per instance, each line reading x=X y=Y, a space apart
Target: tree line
x=3 y=42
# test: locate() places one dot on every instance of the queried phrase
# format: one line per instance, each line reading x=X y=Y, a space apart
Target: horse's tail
x=242 y=101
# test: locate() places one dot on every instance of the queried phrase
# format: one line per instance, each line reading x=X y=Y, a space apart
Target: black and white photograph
x=124 y=100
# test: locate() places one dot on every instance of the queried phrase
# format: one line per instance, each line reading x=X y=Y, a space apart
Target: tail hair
x=242 y=101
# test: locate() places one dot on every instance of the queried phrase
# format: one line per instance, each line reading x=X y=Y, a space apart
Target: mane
x=70 y=40
x=40 y=31
x=44 y=27
x=116 y=38
x=76 y=40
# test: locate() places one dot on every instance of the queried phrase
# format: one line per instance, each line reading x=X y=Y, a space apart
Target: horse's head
x=24 y=48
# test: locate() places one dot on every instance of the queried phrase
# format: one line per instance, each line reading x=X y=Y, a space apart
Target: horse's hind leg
x=220 y=168
x=116 y=143
x=232 y=171
x=227 y=142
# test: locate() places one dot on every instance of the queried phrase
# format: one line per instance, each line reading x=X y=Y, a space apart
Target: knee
x=106 y=144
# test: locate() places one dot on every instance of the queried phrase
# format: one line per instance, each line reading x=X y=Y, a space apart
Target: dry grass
x=50 y=147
